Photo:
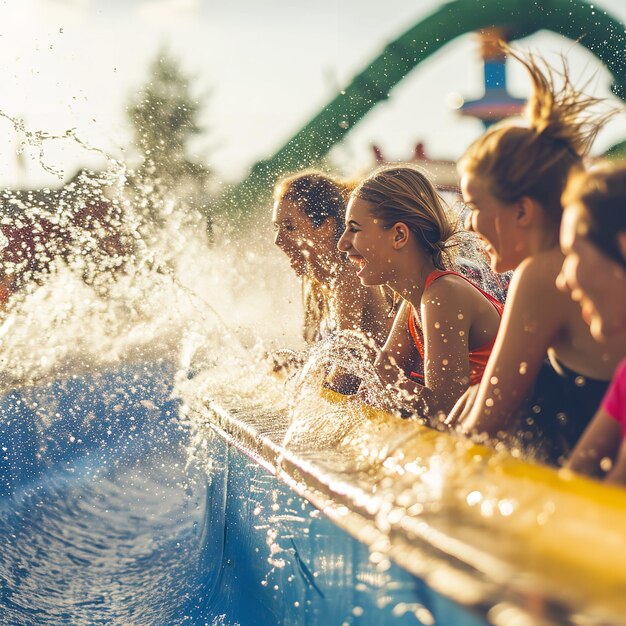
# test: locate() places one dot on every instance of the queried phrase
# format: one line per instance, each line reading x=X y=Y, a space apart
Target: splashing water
x=142 y=282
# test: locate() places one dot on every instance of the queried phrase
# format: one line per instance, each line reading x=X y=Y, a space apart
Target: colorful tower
x=497 y=103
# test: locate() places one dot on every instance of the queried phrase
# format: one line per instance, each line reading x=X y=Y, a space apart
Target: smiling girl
x=593 y=240
x=398 y=234
x=308 y=216
x=546 y=374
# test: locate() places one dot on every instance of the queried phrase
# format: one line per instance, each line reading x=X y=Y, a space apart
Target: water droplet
x=506 y=507
x=424 y=616
x=606 y=463
x=474 y=497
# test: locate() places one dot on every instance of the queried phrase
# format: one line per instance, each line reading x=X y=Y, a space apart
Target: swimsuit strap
x=435 y=274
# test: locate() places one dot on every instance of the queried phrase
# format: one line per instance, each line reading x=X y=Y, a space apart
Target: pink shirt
x=614 y=402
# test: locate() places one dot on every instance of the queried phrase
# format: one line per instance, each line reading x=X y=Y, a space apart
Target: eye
x=284 y=226
x=353 y=229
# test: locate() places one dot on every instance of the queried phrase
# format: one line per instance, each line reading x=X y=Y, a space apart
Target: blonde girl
x=397 y=233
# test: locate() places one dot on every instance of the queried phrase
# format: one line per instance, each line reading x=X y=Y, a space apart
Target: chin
x=369 y=281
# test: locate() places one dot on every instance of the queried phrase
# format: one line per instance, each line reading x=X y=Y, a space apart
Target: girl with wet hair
x=546 y=374
x=398 y=234
x=593 y=240
x=308 y=215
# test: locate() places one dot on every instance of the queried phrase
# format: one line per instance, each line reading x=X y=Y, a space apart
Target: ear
x=400 y=233
x=527 y=211
x=621 y=243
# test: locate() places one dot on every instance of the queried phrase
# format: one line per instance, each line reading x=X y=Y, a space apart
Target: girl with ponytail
x=546 y=374
x=398 y=234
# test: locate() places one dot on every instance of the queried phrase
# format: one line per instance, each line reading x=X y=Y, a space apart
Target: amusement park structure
x=587 y=24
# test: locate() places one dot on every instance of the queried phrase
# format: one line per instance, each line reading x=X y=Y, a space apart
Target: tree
x=164 y=117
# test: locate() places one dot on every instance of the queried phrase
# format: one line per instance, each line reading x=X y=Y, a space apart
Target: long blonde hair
x=403 y=193
x=536 y=158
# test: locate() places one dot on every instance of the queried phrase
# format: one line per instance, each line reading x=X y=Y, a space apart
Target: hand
x=461 y=410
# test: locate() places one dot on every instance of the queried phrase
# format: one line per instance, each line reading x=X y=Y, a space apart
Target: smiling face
x=495 y=223
x=367 y=243
x=310 y=249
x=593 y=279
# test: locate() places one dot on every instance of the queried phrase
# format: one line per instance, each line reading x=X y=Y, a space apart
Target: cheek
x=482 y=225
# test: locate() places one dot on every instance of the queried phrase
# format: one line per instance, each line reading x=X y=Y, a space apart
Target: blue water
x=102 y=522
x=99 y=511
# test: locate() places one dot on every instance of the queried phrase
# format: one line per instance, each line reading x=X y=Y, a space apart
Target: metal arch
x=591 y=27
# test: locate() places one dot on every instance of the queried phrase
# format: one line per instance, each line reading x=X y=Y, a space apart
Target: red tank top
x=478 y=357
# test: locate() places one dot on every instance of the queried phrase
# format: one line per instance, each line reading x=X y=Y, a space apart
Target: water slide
x=578 y=20
x=105 y=520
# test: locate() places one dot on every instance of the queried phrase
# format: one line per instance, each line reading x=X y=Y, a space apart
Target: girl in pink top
x=593 y=239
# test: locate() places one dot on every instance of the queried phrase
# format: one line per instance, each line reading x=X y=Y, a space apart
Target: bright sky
x=268 y=66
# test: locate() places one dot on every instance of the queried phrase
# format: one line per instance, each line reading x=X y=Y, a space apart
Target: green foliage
x=164 y=117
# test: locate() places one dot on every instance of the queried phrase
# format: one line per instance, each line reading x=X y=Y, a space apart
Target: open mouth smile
x=358 y=261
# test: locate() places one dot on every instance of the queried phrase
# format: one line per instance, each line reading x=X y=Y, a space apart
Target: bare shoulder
x=451 y=289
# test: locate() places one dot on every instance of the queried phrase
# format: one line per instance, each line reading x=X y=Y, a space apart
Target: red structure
x=45 y=226
x=443 y=173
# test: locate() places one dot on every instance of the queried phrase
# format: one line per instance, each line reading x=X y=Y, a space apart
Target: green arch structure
x=591 y=27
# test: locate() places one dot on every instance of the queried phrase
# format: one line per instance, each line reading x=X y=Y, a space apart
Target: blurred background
x=253 y=73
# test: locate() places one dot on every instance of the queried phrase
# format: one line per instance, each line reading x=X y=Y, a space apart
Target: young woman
x=512 y=180
x=308 y=217
x=593 y=240
x=397 y=234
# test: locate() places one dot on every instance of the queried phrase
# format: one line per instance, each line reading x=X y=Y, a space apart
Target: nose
x=278 y=240
x=343 y=245
x=283 y=241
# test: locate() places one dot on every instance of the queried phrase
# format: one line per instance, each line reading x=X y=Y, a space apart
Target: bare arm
x=398 y=355
x=350 y=303
x=618 y=474
x=532 y=319
x=361 y=309
x=445 y=322
x=601 y=440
